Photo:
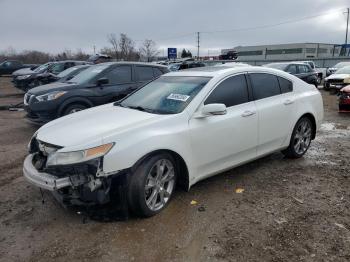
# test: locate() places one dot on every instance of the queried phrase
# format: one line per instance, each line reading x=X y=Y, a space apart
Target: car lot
x=289 y=209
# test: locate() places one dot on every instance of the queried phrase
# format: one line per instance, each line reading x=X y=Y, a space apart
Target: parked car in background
x=300 y=70
x=230 y=55
x=34 y=78
x=99 y=58
x=96 y=85
x=344 y=100
x=185 y=65
x=232 y=64
x=338 y=80
x=334 y=68
x=64 y=76
x=138 y=149
x=10 y=66
x=321 y=72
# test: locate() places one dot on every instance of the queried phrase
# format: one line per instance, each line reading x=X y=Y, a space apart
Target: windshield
x=174 y=67
x=67 y=71
x=88 y=74
x=344 y=70
x=342 y=64
x=277 y=66
x=166 y=95
x=42 y=68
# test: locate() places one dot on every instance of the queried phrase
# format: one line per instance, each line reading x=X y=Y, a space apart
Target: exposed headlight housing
x=50 y=96
x=347 y=80
x=67 y=158
x=23 y=77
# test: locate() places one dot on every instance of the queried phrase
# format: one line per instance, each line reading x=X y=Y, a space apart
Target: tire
x=147 y=195
x=73 y=109
x=301 y=138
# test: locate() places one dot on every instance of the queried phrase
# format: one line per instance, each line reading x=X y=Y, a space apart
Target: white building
x=296 y=51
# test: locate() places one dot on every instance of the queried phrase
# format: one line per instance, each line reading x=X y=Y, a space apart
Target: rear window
x=144 y=73
x=264 y=85
x=285 y=85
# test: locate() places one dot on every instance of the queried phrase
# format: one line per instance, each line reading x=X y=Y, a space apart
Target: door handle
x=248 y=113
x=288 y=102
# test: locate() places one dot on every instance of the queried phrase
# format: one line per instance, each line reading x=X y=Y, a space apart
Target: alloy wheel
x=302 y=138
x=159 y=185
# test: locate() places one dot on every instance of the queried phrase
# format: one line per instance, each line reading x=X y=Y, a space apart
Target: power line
x=271 y=25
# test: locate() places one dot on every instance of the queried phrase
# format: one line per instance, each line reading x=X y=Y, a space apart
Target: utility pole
x=94 y=49
x=198 y=38
x=347 y=26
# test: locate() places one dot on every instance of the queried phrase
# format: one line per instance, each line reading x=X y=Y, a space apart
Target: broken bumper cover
x=43 y=180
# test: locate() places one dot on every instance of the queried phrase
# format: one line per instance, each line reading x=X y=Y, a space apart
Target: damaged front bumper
x=41 y=179
x=78 y=185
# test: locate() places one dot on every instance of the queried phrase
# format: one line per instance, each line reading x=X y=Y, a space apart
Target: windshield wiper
x=140 y=108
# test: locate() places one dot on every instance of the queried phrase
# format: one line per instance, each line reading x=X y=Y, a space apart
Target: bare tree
x=148 y=50
x=127 y=47
x=112 y=39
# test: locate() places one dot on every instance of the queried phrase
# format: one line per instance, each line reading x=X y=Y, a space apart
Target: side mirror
x=102 y=81
x=212 y=110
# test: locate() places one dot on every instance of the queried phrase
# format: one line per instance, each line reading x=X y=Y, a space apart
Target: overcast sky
x=55 y=25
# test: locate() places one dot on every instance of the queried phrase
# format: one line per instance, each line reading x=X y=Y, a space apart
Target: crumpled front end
x=81 y=184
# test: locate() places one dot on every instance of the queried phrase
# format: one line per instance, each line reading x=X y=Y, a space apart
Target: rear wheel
x=301 y=138
x=73 y=109
x=152 y=185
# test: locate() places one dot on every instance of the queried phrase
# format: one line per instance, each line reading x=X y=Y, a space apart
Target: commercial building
x=296 y=51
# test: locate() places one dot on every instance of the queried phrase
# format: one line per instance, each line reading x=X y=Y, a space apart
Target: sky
x=55 y=25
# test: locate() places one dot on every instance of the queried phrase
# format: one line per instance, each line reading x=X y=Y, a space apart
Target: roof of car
x=133 y=63
x=211 y=71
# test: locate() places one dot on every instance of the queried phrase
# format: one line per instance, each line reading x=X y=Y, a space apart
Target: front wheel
x=301 y=138
x=73 y=109
x=152 y=185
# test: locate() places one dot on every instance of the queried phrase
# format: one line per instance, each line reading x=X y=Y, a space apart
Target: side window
x=119 y=75
x=307 y=69
x=264 y=85
x=303 y=69
x=232 y=91
x=285 y=85
x=157 y=72
x=292 y=69
x=144 y=73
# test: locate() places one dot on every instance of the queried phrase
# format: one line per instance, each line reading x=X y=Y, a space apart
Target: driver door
x=119 y=84
x=223 y=141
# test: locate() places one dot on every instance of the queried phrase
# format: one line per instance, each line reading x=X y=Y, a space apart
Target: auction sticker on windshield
x=178 y=97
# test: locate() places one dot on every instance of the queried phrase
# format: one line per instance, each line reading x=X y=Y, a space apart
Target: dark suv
x=96 y=85
x=300 y=70
x=39 y=75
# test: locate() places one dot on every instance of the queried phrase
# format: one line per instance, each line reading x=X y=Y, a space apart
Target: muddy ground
x=290 y=210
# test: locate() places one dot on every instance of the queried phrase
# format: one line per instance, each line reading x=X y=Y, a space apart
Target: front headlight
x=23 y=77
x=67 y=158
x=347 y=80
x=50 y=96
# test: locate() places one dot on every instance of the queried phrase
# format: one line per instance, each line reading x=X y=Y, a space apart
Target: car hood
x=23 y=71
x=89 y=127
x=338 y=76
x=56 y=86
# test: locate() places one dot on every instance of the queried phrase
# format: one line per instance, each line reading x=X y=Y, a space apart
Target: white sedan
x=177 y=130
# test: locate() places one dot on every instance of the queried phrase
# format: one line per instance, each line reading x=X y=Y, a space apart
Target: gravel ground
x=289 y=210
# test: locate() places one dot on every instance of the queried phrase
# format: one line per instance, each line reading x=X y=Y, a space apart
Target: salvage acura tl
x=176 y=130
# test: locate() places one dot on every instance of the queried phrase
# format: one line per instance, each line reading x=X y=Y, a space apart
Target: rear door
x=119 y=84
x=275 y=110
x=222 y=141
